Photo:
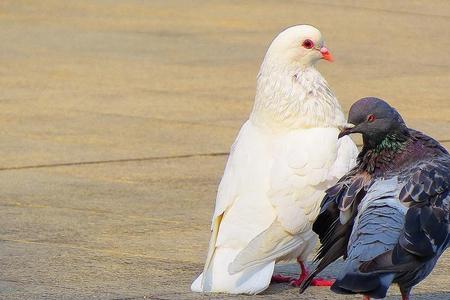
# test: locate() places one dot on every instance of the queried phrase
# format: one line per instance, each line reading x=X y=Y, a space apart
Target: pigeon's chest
x=315 y=148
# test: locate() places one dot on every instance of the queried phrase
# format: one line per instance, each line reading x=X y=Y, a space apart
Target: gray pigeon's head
x=374 y=119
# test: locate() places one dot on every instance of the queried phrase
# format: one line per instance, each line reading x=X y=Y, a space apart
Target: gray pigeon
x=389 y=216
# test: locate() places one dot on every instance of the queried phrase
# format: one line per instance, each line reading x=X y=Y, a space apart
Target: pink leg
x=304 y=274
x=278 y=278
x=365 y=297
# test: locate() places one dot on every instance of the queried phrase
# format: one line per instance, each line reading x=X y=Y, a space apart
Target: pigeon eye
x=308 y=44
x=370 y=118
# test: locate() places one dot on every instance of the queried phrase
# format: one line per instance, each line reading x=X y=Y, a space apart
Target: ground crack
x=98 y=162
x=110 y=161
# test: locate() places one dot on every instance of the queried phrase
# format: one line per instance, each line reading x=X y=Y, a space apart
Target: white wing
x=306 y=163
x=241 y=213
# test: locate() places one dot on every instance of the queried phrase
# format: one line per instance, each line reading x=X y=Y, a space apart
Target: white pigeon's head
x=300 y=45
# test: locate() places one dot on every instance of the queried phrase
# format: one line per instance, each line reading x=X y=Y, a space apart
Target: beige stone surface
x=116 y=117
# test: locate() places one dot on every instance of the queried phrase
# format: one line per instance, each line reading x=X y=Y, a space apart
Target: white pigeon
x=284 y=158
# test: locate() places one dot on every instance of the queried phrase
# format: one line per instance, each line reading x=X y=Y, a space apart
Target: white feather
x=269 y=246
x=282 y=161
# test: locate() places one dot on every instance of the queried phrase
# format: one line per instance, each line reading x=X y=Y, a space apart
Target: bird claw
x=297 y=282
x=314 y=282
x=278 y=278
x=322 y=282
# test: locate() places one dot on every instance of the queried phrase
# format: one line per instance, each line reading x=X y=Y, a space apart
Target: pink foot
x=303 y=275
x=278 y=278
x=322 y=282
x=314 y=282
x=298 y=282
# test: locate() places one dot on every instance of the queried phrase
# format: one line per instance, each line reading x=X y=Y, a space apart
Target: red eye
x=370 y=118
x=308 y=44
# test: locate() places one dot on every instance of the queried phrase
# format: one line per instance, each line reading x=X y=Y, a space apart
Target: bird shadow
x=292 y=269
x=332 y=271
x=423 y=296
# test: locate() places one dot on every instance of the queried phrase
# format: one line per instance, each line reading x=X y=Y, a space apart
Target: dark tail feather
x=334 y=245
x=334 y=253
x=373 y=285
x=307 y=282
x=396 y=260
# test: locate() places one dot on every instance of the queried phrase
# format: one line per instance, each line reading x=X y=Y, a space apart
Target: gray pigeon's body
x=379 y=212
x=389 y=216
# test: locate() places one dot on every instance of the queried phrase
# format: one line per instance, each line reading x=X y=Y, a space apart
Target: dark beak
x=346 y=130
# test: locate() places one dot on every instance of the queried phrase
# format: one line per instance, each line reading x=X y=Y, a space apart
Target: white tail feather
x=217 y=279
x=270 y=245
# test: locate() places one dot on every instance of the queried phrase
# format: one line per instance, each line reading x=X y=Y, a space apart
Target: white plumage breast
x=273 y=176
x=300 y=174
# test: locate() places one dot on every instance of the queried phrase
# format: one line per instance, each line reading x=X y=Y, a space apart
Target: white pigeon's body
x=284 y=158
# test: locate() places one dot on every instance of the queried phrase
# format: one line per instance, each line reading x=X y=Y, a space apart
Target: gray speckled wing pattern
x=376 y=230
x=425 y=234
x=389 y=222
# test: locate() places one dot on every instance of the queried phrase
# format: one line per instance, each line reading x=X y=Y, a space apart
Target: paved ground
x=115 y=117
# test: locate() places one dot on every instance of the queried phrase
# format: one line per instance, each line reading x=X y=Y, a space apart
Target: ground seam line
x=99 y=162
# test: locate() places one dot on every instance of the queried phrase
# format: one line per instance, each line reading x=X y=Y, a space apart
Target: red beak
x=326 y=54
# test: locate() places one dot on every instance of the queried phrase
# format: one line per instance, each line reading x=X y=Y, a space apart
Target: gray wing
x=376 y=230
x=333 y=232
x=425 y=234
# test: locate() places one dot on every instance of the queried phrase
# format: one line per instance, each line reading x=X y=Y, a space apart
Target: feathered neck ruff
x=381 y=157
x=294 y=97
